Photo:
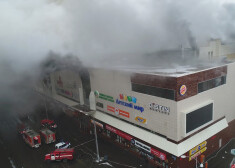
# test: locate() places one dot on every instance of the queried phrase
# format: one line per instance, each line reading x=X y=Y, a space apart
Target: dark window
x=206 y=85
x=100 y=105
x=154 y=91
x=199 y=117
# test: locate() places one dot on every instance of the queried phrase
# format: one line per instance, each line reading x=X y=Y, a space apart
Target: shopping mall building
x=159 y=114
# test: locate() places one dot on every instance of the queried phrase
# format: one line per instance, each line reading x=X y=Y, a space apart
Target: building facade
x=217 y=50
x=159 y=114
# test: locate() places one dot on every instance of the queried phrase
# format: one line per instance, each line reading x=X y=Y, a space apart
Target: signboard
x=183 y=90
x=120 y=133
x=67 y=84
x=130 y=105
x=127 y=98
x=103 y=96
x=141 y=146
x=197 y=153
x=197 y=148
x=141 y=119
x=118 y=111
x=159 y=154
x=233 y=166
x=159 y=108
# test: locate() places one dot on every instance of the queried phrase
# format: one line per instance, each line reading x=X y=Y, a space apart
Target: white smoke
x=90 y=29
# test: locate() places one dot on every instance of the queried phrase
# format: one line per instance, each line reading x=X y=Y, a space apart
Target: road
x=15 y=153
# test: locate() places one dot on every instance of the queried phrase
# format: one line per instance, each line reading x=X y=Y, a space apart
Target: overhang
x=160 y=142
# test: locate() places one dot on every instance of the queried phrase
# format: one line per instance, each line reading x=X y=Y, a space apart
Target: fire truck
x=47 y=135
x=60 y=155
x=32 y=138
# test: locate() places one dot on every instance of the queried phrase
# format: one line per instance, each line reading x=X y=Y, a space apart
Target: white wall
x=113 y=83
x=223 y=97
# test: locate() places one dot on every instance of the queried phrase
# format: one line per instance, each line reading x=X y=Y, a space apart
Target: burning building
x=161 y=114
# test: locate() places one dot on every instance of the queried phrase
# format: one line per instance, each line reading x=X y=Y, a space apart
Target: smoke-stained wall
x=67 y=84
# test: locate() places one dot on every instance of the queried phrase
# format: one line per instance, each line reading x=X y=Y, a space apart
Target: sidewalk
x=223 y=157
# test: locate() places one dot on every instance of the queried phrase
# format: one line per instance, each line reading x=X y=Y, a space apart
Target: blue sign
x=130 y=105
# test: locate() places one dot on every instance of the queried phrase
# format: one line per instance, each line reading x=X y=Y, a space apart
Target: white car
x=62 y=145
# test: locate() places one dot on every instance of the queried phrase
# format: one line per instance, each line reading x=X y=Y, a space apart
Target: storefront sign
x=120 y=133
x=141 y=119
x=97 y=123
x=103 y=96
x=197 y=148
x=118 y=111
x=197 y=154
x=127 y=98
x=141 y=145
x=159 y=108
x=130 y=105
x=183 y=90
x=159 y=154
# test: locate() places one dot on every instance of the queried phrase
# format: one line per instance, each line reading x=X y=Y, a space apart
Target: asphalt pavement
x=15 y=153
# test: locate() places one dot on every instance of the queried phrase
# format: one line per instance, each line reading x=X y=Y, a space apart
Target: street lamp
x=184 y=156
x=96 y=140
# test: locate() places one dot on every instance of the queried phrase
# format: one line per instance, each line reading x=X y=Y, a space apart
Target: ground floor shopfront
x=150 y=153
x=160 y=158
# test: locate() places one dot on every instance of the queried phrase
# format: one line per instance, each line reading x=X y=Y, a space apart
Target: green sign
x=106 y=97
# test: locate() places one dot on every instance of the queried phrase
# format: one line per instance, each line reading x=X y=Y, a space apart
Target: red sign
x=158 y=154
x=183 y=90
x=118 y=111
x=233 y=166
x=120 y=133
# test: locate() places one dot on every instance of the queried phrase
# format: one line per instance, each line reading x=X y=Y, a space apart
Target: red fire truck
x=32 y=138
x=60 y=154
x=47 y=135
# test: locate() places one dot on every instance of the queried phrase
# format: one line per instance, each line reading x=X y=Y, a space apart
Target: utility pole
x=96 y=143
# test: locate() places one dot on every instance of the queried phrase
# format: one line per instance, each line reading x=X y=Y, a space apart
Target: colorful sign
x=141 y=119
x=183 y=90
x=103 y=96
x=197 y=154
x=197 y=148
x=130 y=105
x=118 y=111
x=120 y=133
x=159 y=108
x=127 y=98
x=159 y=154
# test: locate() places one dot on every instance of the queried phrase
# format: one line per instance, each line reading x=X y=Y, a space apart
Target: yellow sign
x=197 y=148
x=140 y=119
x=198 y=153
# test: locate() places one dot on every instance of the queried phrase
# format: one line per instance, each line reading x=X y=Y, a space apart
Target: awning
x=160 y=142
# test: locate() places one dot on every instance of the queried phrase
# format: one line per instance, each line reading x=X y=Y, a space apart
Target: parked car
x=62 y=145
x=48 y=123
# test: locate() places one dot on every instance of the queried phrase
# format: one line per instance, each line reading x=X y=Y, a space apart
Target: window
x=154 y=91
x=206 y=85
x=199 y=117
